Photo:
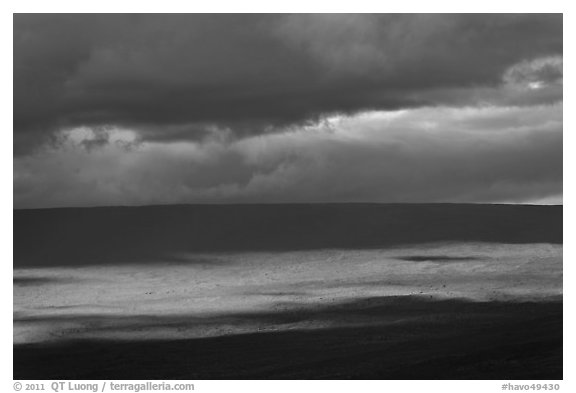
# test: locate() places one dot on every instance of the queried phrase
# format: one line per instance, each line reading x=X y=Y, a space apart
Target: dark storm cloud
x=173 y=77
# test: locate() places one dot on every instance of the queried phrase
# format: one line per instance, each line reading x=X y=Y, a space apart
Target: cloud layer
x=138 y=109
x=418 y=155
x=252 y=72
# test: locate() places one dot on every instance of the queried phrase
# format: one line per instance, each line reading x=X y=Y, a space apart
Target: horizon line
x=213 y=204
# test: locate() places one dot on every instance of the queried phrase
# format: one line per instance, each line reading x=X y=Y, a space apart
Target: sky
x=119 y=109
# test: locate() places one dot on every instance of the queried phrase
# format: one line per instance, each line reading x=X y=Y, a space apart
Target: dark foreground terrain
x=428 y=339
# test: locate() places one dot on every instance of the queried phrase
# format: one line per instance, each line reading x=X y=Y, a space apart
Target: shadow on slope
x=437 y=258
x=84 y=236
